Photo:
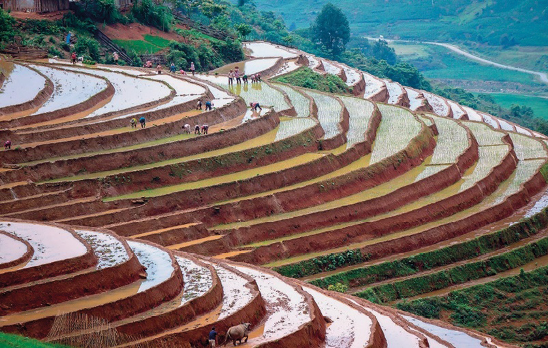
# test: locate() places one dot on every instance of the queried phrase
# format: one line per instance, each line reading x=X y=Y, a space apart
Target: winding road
x=542 y=76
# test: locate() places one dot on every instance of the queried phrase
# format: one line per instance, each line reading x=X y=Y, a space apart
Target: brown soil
x=136 y=31
x=52 y=16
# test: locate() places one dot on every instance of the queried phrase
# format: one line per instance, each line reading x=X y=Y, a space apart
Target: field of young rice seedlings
x=299 y=101
x=489 y=157
x=524 y=171
x=293 y=126
x=438 y=104
x=484 y=134
x=360 y=111
x=394 y=91
x=372 y=85
x=452 y=141
x=527 y=148
x=397 y=128
x=329 y=113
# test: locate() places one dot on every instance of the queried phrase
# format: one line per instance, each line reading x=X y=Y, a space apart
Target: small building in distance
x=39 y=6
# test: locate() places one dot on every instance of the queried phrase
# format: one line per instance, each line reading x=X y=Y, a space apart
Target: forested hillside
x=509 y=22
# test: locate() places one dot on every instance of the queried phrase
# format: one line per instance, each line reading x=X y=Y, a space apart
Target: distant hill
x=523 y=22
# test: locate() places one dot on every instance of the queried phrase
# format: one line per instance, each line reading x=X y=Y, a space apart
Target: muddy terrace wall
x=77 y=128
x=233 y=110
x=253 y=312
x=113 y=311
x=148 y=154
x=75 y=286
x=38 y=100
x=362 y=210
x=459 y=227
x=403 y=99
x=166 y=204
x=103 y=95
x=374 y=229
x=281 y=201
x=207 y=167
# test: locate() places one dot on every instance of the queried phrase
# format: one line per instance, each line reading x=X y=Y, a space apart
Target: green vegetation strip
x=409 y=265
x=511 y=308
x=456 y=275
x=15 y=341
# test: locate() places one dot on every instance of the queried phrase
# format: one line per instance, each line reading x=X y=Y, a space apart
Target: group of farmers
x=236 y=75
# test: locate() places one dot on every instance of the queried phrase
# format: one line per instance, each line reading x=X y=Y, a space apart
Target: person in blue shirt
x=212 y=337
x=143 y=121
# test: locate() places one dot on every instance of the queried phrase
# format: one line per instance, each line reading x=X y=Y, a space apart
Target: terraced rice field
x=397 y=128
x=176 y=233
x=298 y=100
x=360 y=112
x=329 y=113
x=22 y=85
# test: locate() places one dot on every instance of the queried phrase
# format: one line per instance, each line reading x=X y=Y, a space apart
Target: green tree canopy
x=331 y=30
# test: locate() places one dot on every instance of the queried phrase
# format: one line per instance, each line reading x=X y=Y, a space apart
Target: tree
x=331 y=30
x=243 y=30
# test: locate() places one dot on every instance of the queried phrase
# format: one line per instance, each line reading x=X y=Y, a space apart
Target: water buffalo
x=237 y=333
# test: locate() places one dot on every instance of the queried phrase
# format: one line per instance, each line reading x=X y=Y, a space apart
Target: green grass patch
x=157 y=40
x=306 y=77
x=538 y=104
x=150 y=45
x=16 y=341
x=139 y=46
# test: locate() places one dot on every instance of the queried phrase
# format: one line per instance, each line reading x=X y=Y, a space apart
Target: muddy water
x=69 y=118
x=358 y=164
x=243 y=175
x=194 y=242
x=377 y=191
x=537 y=263
x=503 y=190
x=162 y=121
x=231 y=254
x=264 y=139
x=162 y=230
x=72 y=306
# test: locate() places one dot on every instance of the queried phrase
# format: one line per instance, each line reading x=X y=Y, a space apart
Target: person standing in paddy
x=208 y=106
x=212 y=337
x=133 y=123
x=231 y=78
x=7 y=145
x=237 y=76
x=192 y=68
x=143 y=121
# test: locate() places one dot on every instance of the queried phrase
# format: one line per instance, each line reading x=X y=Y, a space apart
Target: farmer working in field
x=143 y=121
x=208 y=105
x=212 y=337
x=7 y=145
x=133 y=123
